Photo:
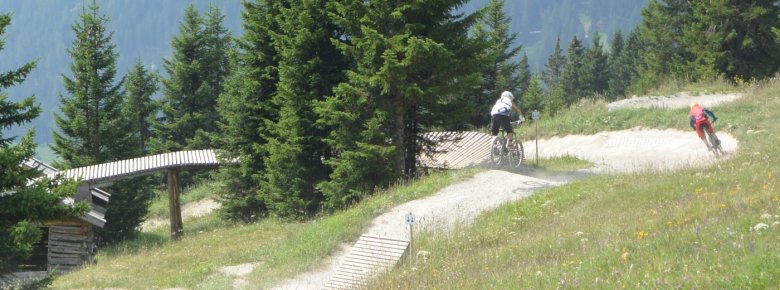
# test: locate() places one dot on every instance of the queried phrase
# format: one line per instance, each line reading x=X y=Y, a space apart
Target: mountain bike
x=503 y=154
x=712 y=145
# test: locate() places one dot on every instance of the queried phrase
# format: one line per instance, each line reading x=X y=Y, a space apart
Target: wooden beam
x=174 y=205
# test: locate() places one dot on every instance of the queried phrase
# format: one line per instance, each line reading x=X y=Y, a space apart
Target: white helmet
x=507 y=94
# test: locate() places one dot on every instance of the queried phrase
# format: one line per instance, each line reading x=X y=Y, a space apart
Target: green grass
x=686 y=229
x=281 y=249
x=559 y=163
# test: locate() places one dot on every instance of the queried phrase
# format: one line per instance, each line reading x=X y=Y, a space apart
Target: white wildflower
x=766 y=217
x=760 y=226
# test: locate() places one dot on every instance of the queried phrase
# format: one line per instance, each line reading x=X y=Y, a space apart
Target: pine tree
x=502 y=72
x=553 y=70
x=663 y=54
x=573 y=77
x=309 y=67
x=412 y=61
x=733 y=38
x=92 y=129
x=22 y=204
x=533 y=98
x=247 y=111
x=95 y=129
x=140 y=109
x=196 y=72
x=524 y=75
x=595 y=69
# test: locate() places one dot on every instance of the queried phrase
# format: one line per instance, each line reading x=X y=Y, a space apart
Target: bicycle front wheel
x=516 y=155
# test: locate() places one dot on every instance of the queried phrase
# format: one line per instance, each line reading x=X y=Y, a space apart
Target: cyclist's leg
x=494 y=124
x=711 y=131
x=700 y=132
x=507 y=125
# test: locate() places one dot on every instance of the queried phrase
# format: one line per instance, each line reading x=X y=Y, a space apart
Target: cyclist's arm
x=711 y=114
x=516 y=108
x=693 y=122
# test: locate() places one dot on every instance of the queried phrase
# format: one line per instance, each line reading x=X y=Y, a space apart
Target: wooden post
x=177 y=228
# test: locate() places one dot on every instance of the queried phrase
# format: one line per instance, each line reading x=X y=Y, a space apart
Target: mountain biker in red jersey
x=700 y=116
x=500 y=115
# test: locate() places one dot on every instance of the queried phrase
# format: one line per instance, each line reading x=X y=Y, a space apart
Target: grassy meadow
x=710 y=228
x=694 y=228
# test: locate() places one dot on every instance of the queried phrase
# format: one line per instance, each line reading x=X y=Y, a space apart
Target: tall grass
x=693 y=228
x=278 y=249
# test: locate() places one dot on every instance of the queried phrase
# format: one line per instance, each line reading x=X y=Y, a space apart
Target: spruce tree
x=309 y=67
x=595 y=69
x=247 y=111
x=196 y=72
x=95 y=128
x=502 y=71
x=663 y=54
x=413 y=62
x=23 y=205
x=553 y=70
x=140 y=109
x=533 y=98
x=733 y=38
x=573 y=77
x=92 y=127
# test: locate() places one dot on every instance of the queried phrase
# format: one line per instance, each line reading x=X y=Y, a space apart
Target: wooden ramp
x=456 y=150
x=369 y=256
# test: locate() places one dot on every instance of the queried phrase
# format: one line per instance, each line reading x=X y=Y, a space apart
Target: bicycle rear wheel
x=495 y=150
x=516 y=155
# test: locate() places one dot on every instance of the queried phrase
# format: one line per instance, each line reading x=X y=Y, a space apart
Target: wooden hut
x=67 y=244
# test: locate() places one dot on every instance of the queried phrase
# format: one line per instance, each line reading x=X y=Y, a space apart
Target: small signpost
x=411 y=220
x=535 y=116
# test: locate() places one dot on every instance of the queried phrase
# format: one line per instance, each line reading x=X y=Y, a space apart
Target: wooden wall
x=71 y=245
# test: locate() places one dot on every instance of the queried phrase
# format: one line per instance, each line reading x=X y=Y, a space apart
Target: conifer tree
x=573 y=77
x=553 y=70
x=196 y=72
x=140 y=109
x=663 y=54
x=247 y=111
x=524 y=75
x=309 y=67
x=92 y=127
x=595 y=69
x=413 y=59
x=22 y=204
x=95 y=128
x=733 y=38
x=533 y=98
x=502 y=71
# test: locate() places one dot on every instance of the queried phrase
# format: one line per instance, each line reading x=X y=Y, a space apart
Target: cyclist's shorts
x=500 y=121
x=707 y=125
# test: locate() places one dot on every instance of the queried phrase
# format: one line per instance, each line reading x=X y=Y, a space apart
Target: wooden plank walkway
x=456 y=150
x=112 y=171
x=369 y=256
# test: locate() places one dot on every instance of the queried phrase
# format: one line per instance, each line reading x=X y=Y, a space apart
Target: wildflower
x=578 y=234
x=722 y=206
x=766 y=217
x=641 y=234
x=760 y=226
x=625 y=256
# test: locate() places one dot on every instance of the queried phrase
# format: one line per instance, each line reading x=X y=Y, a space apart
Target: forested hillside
x=539 y=23
x=41 y=30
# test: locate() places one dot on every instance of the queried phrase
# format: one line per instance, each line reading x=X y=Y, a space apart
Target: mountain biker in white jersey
x=500 y=115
